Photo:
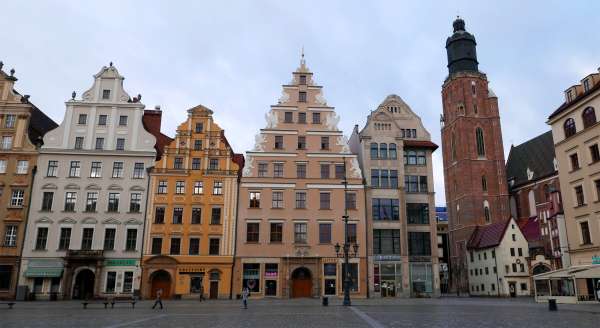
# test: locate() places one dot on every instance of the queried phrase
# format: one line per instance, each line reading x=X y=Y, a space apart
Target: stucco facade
x=394 y=151
x=85 y=227
x=21 y=127
x=291 y=201
x=190 y=235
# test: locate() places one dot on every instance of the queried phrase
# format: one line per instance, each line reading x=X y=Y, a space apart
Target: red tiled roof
x=420 y=144
x=487 y=236
x=152 y=122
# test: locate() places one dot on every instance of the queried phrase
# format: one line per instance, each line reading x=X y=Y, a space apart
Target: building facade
x=395 y=146
x=498 y=263
x=291 y=201
x=190 y=234
x=84 y=233
x=473 y=155
x=22 y=126
x=441 y=217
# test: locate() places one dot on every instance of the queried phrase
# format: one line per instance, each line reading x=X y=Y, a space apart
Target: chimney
x=152 y=120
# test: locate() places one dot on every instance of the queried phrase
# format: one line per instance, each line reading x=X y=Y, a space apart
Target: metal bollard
x=552 y=305
x=325 y=301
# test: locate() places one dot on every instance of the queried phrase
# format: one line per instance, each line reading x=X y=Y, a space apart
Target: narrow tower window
x=480 y=142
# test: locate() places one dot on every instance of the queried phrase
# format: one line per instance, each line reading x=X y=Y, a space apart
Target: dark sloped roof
x=39 y=124
x=420 y=144
x=566 y=105
x=536 y=154
x=531 y=229
x=487 y=236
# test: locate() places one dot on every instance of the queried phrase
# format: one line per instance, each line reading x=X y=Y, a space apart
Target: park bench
x=10 y=304
x=126 y=300
x=87 y=302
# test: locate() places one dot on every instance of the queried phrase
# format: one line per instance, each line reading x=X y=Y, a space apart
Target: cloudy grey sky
x=233 y=56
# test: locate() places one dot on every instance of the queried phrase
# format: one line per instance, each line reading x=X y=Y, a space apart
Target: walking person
x=158 y=300
x=202 y=293
x=245 y=294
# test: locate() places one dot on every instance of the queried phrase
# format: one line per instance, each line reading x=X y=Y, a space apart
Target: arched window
x=383 y=151
x=453 y=146
x=486 y=212
x=569 y=127
x=483 y=183
x=480 y=142
x=589 y=117
x=374 y=150
x=393 y=153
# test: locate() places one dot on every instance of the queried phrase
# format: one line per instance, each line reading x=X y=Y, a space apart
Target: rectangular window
x=520 y=251
x=300 y=233
x=7 y=142
x=17 y=198
x=301 y=117
x=339 y=171
x=586 y=238
x=52 y=169
x=278 y=142
x=91 y=201
x=10 y=121
x=10 y=236
x=70 y=200
x=47 y=199
x=597 y=183
x=156 y=245
x=277 y=199
x=180 y=187
x=105 y=94
x=175 y=246
x=194 y=248
x=99 y=143
x=352 y=233
x=87 y=237
x=41 y=239
x=177 y=215
x=159 y=215
x=111 y=281
x=579 y=196
x=78 y=143
x=198 y=188
x=386 y=209
x=278 y=170
x=276 y=232
x=303 y=79
x=252 y=232
x=512 y=252
x=82 y=119
x=102 y=120
x=325 y=233
x=75 y=169
x=301 y=170
x=595 y=153
x=64 y=240
x=325 y=171
x=178 y=163
x=351 y=201
x=22 y=167
x=120 y=144
x=263 y=169
x=574 y=162
x=419 y=244
x=316 y=118
x=215 y=215
x=138 y=171
x=195 y=163
x=199 y=127
x=113 y=202
x=128 y=282
x=301 y=199
x=374 y=178
x=386 y=242
x=213 y=246
x=117 y=171
x=196 y=215
x=109 y=239
x=288 y=117
x=162 y=187
x=96 y=170
x=324 y=143
x=324 y=200
x=254 y=199
x=301 y=142
x=302 y=96
x=218 y=188
x=197 y=144
x=123 y=120
x=417 y=213
x=135 y=202
x=213 y=164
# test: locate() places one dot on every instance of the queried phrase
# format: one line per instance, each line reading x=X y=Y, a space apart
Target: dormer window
x=105 y=94
x=569 y=95
x=586 y=85
x=199 y=127
x=303 y=79
x=302 y=96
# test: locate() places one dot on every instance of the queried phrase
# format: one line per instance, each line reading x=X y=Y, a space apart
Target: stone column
x=97 y=278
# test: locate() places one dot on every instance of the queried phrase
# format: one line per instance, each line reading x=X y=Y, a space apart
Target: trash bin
x=325 y=301
x=552 y=305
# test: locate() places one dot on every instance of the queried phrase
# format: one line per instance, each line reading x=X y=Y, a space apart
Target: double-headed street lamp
x=345 y=248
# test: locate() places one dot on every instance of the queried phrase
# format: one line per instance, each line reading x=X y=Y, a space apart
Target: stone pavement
x=372 y=313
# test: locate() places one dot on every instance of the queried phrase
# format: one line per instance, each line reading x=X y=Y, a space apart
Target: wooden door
x=301 y=288
x=214 y=290
x=161 y=281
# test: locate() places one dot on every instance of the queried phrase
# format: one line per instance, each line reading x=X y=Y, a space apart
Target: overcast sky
x=233 y=56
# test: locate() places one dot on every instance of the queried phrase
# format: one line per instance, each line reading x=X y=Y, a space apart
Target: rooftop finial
x=302 y=61
x=110 y=64
x=12 y=72
x=1 y=64
x=73 y=95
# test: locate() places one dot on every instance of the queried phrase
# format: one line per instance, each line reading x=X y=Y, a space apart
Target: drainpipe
x=497 y=278
x=148 y=194
x=25 y=220
x=237 y=201
x=367 y=227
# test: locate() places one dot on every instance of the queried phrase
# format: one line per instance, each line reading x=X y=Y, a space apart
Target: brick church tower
x=474 y=171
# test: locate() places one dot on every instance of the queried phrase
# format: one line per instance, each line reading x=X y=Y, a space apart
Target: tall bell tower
x=474 y=170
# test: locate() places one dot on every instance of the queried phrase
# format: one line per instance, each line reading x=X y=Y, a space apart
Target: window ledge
x=45 y=211
x=15 y=207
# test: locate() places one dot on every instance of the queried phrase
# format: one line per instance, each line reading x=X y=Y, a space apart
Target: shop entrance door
x=84 y=285
x=161 y=280
x=214 y=290
x=512 y=287
x=301 y=283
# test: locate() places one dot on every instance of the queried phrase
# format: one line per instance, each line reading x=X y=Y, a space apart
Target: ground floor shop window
x=330 y=272
x=54 y=285
x=562 y=287
x=270 y=287
x=421 y=278
x=251 y=277
x=542 y=288
x=128 y=282
x=111 y=281
x=271 y=274
x=388 y=278
x=353 y=276
x=5 y=276
x=195 y=284
x=38 y=284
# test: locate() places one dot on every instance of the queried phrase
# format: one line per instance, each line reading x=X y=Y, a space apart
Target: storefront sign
x=387 y=257
x=595 y=259
x=270 y=274
x=120 y=262
x=191 y=270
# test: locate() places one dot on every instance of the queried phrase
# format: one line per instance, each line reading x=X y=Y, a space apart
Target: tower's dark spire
x=461 y=49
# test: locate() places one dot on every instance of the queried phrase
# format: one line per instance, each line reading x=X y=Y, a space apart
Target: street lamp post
x=346 y=254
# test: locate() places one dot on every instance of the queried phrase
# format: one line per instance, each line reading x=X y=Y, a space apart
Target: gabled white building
x=497 y=263
x=85 y=225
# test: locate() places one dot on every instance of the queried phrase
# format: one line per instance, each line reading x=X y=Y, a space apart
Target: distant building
x=497 y=263
x=22 y=126
x=441 y=217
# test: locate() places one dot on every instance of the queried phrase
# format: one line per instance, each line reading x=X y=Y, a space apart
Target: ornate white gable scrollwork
x=342 y=141
x=272 y=119
x=355 y=169
x=248 y=166
x=320 y=98
x=259 y=142
x=284 y=98
x=331 y=121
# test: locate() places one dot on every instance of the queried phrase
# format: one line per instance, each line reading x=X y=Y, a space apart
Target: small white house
x=498 y=261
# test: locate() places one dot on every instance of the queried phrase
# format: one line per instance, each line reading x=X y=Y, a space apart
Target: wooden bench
x=114 y=301
x=105 y=302
x=10 y=304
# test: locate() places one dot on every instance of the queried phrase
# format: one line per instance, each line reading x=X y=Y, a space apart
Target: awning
x=44 y=269
x=577 y=272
